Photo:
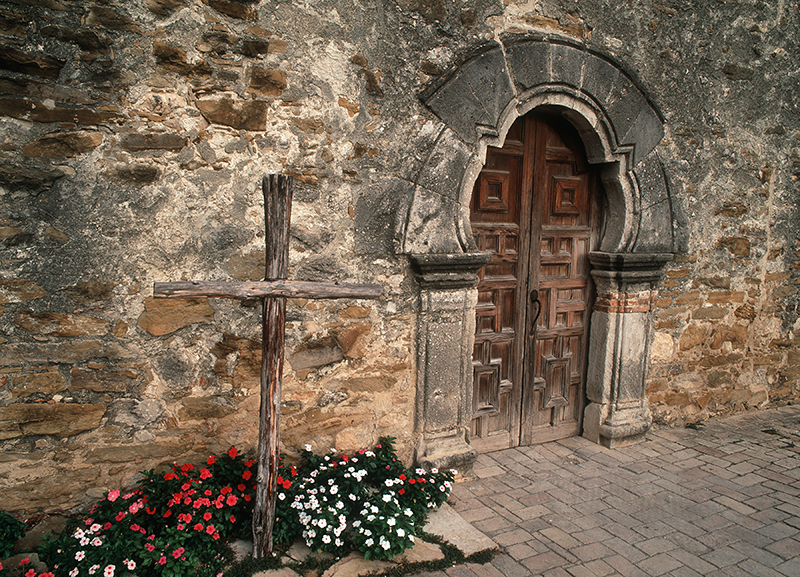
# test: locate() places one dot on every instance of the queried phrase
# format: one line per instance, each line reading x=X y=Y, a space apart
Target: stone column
x=618 y=413
x=445 y=336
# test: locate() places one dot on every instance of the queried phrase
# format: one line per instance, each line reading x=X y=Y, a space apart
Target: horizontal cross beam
x=263 y=289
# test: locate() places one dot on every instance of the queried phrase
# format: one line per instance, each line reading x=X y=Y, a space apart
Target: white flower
x=78 y=534
x=131 y=564
x=334 y=490
x=371 y=518
x=384 y=543
x=369 y=542
x=391 y=521
x=454 y=472
x=95 y=528
x=352 y=497
x=322 y=523
x=80 y=555
x=356 y=523
x=97 y=541
x=434 y=470
x=74 y=572
x=307 y=447
x=326 y=538
x=386 y=498
x=93 y=569
x=411 y=537
x=339 y=542
x=84 y=541
x=420 y=471
x=373 y=508
x=109 y=571
x=401 y=533
x=367 y=532
x=408 y=512
x=388 y=482
x=281 y=496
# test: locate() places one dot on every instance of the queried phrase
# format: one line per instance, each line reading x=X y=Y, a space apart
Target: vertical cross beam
x=277 y=190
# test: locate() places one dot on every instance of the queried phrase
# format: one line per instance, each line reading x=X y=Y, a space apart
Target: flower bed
x=177 y=523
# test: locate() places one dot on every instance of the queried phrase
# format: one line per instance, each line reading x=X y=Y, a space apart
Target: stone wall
x=134 y=135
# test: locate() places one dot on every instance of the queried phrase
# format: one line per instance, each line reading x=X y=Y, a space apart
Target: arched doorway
x=476 y=104
x=536 y=208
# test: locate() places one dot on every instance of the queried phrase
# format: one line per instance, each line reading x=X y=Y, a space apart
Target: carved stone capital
x=449 y=271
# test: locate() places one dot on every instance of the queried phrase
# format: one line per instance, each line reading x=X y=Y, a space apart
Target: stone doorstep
x=445 y=523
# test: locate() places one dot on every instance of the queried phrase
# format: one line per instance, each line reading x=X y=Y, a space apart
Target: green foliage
x=172 y=525
x=366 y=501
x=178 y=523
x=11 y=530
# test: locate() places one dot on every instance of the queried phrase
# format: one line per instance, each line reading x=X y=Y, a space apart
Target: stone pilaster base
x=618 y=413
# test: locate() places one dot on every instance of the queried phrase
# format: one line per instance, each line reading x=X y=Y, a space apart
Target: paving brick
x=659 y=564
x=543 y=562
x=591 y=552
x=786 y=548
x=723 y=557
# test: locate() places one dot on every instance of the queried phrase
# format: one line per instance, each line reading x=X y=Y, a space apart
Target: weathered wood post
x=277 y=190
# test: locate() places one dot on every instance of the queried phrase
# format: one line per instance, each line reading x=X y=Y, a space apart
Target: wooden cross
x=273 y=291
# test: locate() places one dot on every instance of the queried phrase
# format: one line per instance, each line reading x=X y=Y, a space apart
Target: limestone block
x=165 y=316
x=57 y=419
x=63 y=144
x=205 y=408
x=102 y=381
x=266 y=82
x=445 y=167
x=19 y=61
x=528 y=63
x=44 y=380
x=19 y=290
x=61 y=324
x=247 y=115
x=475 y=95
x=137 y=142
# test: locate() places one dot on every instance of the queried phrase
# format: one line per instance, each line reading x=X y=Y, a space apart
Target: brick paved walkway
x=722 y=500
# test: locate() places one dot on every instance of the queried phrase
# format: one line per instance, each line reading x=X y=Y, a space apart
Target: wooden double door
x=535 y=208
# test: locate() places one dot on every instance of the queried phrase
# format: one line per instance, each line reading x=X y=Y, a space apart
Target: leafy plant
x=367 y=501
x=172 y=525
x=11 y=530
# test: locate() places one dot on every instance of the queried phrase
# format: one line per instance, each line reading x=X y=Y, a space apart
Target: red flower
x=216 y=535
x=249 y=463
x=149 y=546
x=120 y=516
x=287 y=484
x=246 y=475
x=411 y=481
x=206 y=516
x=402 y=477
x=232 y=452
x=205 y=474
x=178 y=552
x=170 y=476
x=207 y=492
x=198 y=527
x=151 y=510
x=162 y=561
x=241 y=487
x=30 y=573
x=401 y=492
x=25 y=561
x=233 y=519
x=231 y=500
x=210 y=529
x=187 y=467
x=247 y=498
x=167 y=514
x=107 y=526
x=211 y=460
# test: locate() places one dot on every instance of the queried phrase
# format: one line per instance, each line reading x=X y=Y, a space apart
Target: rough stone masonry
x=133 y=136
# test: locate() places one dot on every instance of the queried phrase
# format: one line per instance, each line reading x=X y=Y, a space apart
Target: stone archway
x=620 y=126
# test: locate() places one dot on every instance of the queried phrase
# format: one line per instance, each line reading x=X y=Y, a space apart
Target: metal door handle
x=534 y=296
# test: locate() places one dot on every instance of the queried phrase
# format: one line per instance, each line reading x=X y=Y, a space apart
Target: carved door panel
x=534 y=208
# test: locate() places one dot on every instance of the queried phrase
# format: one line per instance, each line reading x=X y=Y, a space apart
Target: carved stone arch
x=620 y=126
